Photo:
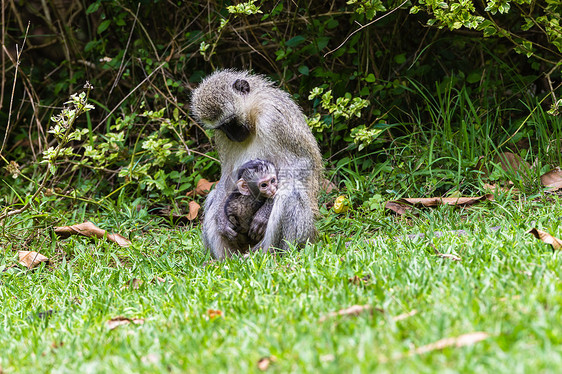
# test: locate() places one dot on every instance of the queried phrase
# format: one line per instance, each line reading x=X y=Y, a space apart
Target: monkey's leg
x=291 y=221
x=213 y=223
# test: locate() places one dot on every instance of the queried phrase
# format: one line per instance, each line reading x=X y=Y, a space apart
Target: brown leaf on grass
x=135 y=283
x=264 y=362
x=449 y=256
x=88 y=229
x=397 y=208
x=403 y=316
x=120 y=321
x=495 y=187
x=193 y=210
x=511 y=162
x=356 y=280
x=456 y=342
x=552 y=179
x=55 y=345
x=546 y=238
x=400 y=206
x=353 y=310
x=31 y=259
x=327 y=185
x=202 y=189
x=444 y=255
x=212 y=313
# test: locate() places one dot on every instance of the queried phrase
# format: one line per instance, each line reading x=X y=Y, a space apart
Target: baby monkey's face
x=267 y=186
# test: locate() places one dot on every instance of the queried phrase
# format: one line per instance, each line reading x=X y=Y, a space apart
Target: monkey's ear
x=242 y=187
x=241 y=86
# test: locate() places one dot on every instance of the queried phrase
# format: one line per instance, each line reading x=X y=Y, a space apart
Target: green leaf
x=103 y=26
x=293 y=42
x=474 y=77
x=322 y=42
x=93 y=7
x=400 y=59
x=304 y=70
x=370 y=78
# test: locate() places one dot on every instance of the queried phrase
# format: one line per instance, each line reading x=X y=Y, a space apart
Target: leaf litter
x=89 y=230
x=121 y=321
x=454 y=342
x=546 y=238
x=401 y=206
x=31 y=259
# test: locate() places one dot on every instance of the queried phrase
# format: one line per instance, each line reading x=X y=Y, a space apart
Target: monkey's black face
x=234 y=130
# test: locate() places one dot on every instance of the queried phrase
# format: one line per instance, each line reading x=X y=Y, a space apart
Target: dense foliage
x=380 y=81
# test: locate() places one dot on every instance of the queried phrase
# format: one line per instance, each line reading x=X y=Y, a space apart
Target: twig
x=122 y=66
x=127 y=96
x=18 y=55
x=3 y=58
x=547 y=75
x=364 y=26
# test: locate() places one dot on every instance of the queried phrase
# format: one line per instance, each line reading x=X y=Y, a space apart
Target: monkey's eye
x=273 y=180
x=264 y=185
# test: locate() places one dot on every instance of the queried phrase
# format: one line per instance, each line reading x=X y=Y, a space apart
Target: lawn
x=162 y=305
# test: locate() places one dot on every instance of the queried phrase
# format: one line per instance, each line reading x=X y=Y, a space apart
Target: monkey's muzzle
x=234 y=130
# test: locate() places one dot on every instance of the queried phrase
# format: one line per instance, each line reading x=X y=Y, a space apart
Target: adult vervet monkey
x=253 y=119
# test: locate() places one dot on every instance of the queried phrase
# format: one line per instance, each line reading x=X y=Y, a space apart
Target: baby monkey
x=249 y=205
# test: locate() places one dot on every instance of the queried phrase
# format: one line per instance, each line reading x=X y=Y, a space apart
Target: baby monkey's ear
x=243 y=186
x=241 y=86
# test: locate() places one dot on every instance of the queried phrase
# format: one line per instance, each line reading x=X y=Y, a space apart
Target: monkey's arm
x=259 y=222
x=215 y=222
x=228 y=229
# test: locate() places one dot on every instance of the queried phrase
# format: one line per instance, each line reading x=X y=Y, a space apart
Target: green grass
x=507 y=285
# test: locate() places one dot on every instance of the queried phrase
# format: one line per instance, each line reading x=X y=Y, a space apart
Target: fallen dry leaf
x=547 y=238
x=356 y=280
x=31 y=259
x=327 y=185
x=214 y=313
x=56 y=345
x=457 y=342
x=353 y=310
x=134 y=283
x=496 y=187
x=400 y=206
x=120 y=321
x=193 y=210
x=511 y=162
x=397 y=208
x=264 y=362
x=88 y=229
x=444 y=255
x=449 y=256
x=552 y=179
x=202 y=189
x=402 y=316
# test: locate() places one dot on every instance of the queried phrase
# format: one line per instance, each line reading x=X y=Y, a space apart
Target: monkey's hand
x=257 y=227
x=227 y=229
x=259 y=222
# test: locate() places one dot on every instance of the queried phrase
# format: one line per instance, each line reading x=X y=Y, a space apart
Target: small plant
x=64 y=132
x=342 y=110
